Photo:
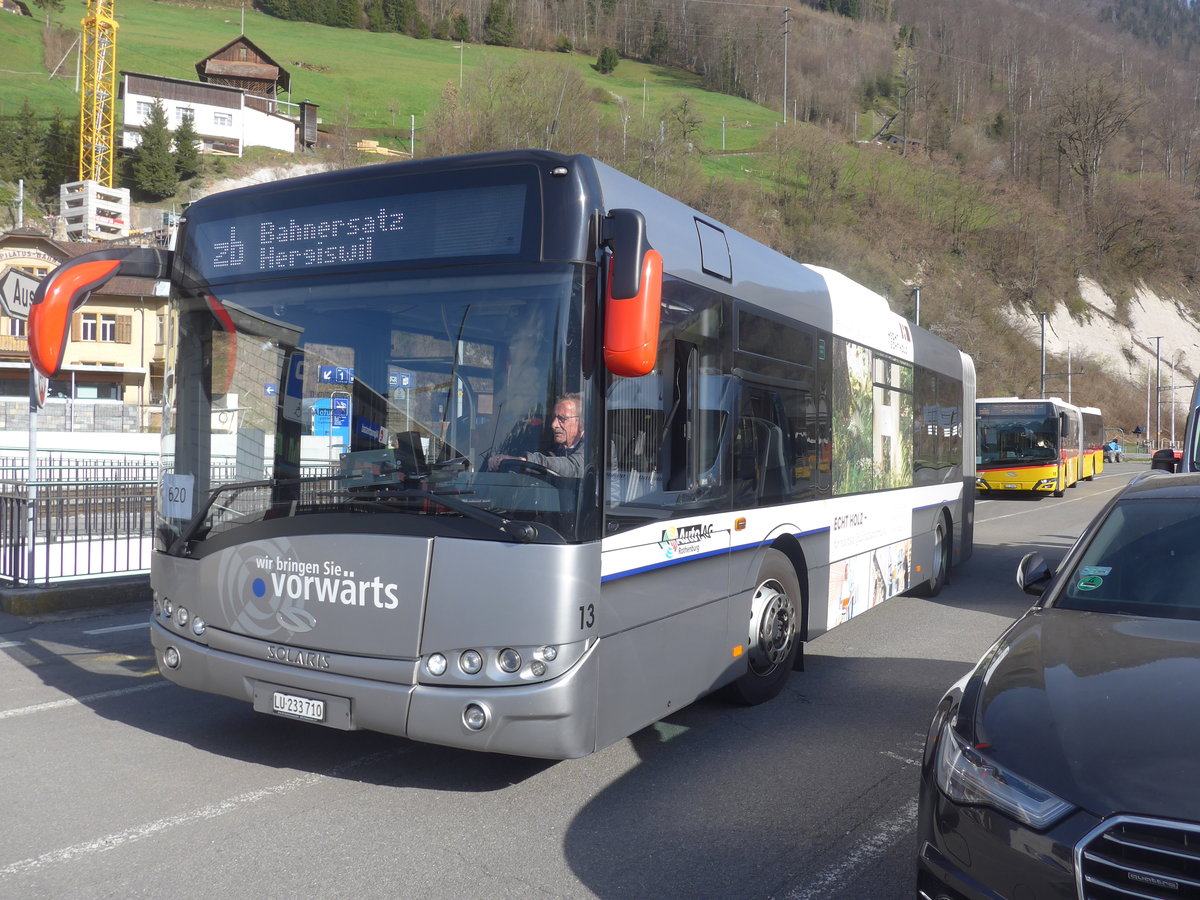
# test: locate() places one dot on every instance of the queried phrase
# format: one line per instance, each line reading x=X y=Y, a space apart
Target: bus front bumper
x=995 y=481
x=550 y=720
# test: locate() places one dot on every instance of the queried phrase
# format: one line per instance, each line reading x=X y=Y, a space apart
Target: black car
x=1067 y=763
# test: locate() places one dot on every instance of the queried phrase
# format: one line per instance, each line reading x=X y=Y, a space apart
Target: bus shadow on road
x=124 y=687
x=725 y=797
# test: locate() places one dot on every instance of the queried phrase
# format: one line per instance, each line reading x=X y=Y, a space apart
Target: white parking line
x=150 y=829
x=4 y=645
x=79 y=701
x=111 y=628
x=883 y=835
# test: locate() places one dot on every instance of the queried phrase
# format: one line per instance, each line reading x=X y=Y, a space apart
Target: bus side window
x=760 y=450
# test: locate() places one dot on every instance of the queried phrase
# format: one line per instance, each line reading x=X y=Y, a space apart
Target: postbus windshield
x=379 y=402
x=1018 y=434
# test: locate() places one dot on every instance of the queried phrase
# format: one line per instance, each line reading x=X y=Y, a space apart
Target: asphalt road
x=118 y=784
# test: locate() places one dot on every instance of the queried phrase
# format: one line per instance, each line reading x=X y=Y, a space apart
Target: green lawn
x=383 y=80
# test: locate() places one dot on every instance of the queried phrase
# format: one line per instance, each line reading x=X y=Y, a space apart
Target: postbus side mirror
x=633 y=295
x=1164 y=459
x=68 y=287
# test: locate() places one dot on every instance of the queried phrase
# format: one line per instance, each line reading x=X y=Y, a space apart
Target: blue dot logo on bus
x=259 y=587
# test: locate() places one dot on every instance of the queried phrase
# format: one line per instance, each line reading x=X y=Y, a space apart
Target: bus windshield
x=1028 y=437
x=385 y=400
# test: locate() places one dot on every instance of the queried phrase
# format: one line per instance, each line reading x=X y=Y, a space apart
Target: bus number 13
x=587 y=616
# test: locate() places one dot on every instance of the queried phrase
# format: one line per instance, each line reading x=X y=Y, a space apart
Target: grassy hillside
x=377 y=81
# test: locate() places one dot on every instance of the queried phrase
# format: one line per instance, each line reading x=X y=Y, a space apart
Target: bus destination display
x=485 y=221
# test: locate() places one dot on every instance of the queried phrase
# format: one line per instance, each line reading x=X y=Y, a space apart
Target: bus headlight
x=474 y=717
x=199 y=626
x=470 y=662
x=182 y=616
x=171 y=658
x=436 y=664
x=510 y=660
x=548 y=653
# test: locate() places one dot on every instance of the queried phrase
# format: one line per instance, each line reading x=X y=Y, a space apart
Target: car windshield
x=1143 y=560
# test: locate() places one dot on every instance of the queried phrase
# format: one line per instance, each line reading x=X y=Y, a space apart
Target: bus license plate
x=299 y=707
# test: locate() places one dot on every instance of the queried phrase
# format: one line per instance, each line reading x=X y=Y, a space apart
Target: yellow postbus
x=1028 y=445
x=1093 y=442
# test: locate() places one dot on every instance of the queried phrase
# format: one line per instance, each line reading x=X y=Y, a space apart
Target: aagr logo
x=684 y=540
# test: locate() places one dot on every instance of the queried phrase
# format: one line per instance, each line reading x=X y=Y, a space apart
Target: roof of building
x=68 y=250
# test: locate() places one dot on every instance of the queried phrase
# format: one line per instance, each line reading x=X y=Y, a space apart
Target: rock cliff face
x=1151 y=338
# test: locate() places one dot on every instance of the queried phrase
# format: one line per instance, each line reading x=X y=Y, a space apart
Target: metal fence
x=91 y=517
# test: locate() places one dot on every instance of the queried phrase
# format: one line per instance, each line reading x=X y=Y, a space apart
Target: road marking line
x=7 y=644
x=78 y=701
x=150 y=829
x=979 y=521
x=862 y=854
x=110 y=629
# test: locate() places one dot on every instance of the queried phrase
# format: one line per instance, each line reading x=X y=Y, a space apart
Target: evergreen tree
x=606 y=62
x=347 y=14
x=460 y=29
x=23 y=149
x=660 y=44
x=499 y=23
x=60 y=153
x=153 y=166
x=187 y=151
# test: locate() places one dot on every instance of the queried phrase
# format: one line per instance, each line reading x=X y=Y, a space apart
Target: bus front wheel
x=941 y=562
x=774 y=639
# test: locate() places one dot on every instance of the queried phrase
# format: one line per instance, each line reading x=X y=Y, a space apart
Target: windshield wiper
x=193 y=526
x=521 y=532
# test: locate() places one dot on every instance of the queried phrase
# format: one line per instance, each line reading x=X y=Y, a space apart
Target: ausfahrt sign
x=16 y=293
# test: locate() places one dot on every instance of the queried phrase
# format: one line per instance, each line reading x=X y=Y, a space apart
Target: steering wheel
x=525 y=467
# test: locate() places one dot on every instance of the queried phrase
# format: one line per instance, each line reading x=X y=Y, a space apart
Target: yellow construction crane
x=98 y=101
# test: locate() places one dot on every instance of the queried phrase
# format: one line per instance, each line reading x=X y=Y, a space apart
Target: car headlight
x=967 y=776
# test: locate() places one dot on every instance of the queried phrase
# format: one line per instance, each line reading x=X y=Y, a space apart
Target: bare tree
x=1088 y=111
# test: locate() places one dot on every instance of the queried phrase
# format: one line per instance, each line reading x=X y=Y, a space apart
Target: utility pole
x=1157 y=389
x=787 y=19
x=1042 y=316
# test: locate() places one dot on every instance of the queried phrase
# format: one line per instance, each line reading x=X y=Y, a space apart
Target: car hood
x=1102 y=710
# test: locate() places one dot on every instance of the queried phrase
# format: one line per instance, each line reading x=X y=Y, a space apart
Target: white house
x=225 y=118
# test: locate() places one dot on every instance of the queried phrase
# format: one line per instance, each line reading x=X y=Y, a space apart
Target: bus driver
x=566 y=458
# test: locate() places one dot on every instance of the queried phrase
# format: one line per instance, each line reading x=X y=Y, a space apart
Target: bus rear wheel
x=774 y=638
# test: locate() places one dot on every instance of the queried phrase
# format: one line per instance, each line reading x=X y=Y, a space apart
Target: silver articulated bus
x=511 y=452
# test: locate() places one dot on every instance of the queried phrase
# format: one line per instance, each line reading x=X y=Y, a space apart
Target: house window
x=160 y=330
x=143 y=108
x=183 y=113
x=87 y=327
x=224 y=120
x=108 y=328
x=16 y=328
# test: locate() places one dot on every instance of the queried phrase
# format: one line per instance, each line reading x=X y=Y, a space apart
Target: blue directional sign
x=335 y=374
x=399 y=378
x=271 y=389
x=341 y=412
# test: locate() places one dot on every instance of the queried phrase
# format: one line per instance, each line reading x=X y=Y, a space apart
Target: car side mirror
x=1033 y=574
x=1165 y=460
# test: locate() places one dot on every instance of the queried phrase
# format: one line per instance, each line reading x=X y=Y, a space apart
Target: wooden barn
x=242 y=64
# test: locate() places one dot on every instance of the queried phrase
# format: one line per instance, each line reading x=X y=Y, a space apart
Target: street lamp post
x=459 y=47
